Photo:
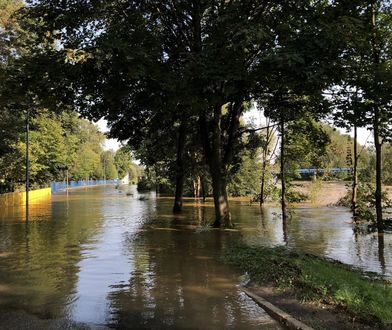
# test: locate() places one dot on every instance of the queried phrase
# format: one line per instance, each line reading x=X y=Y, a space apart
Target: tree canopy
x=174 y=78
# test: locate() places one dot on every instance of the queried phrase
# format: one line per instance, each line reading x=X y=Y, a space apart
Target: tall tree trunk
x=180 y=172
x=219 y=156
x=267 y=154
x=156 y=182
x=378 y=194
x=213 y=155
x=376 y=121
x=197 y=187
x=264 y=166
x=282 y=168
x=222 y=211
x=203 y=189
x=355 y=175
x=262 y=189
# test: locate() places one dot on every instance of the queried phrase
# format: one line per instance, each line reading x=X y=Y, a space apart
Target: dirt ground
x=326 y=193
x=321 y=193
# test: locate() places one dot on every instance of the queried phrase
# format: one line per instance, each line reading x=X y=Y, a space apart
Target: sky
x=364 y=135
x=109 y=143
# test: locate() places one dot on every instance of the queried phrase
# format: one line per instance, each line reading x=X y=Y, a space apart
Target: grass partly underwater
x=318 y=280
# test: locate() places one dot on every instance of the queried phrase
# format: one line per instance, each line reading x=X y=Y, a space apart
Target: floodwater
x=325 y=231
x=97 y=258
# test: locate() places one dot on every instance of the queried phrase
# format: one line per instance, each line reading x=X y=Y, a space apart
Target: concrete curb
x=284 y=318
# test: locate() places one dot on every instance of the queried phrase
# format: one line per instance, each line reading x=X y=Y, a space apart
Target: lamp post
x=27 y=164
x=104 y=170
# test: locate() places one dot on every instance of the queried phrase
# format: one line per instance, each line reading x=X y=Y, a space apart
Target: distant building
x=125 y=180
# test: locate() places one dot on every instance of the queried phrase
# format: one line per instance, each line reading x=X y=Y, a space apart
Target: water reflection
x=39 y=257
x=320 y=231
x=381 y=255
x=177 y=282
x=97 y=256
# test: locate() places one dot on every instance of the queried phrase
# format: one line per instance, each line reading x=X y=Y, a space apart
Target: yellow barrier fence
x=19 y=198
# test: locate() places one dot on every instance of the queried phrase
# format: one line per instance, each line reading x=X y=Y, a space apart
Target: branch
x=253 y=130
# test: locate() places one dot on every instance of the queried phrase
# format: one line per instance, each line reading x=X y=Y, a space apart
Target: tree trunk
x=156 y=182
x=263 y=182
x=355 y=175
x=203 y=189
x=213 y=155
x=378 y=194
x=221 y=203
x=180 y=173
x=196 y=187
x=264 y=165
x=220 y=155
x=282 y=168
x=222 y=211
x=376 y=122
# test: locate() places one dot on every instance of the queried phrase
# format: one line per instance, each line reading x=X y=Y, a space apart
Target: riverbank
x=321 y=293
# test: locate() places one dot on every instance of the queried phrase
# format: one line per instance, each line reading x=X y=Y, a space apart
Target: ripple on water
x=99 y=257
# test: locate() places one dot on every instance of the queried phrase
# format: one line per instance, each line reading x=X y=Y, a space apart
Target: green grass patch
x=317 y=279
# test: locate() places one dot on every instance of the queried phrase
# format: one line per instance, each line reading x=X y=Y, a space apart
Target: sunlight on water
x=98 y=257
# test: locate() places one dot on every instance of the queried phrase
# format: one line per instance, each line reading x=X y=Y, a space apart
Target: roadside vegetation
x=363 y=296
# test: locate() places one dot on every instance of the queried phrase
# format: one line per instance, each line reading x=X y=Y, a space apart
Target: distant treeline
x=61 y=146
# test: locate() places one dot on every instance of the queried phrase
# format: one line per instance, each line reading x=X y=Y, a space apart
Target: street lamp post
x=104 y=170
x=27 y=164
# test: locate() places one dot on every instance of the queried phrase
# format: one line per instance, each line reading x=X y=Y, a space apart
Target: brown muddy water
x=96 y=258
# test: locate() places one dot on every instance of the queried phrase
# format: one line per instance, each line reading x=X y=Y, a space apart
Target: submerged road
x=96 y=258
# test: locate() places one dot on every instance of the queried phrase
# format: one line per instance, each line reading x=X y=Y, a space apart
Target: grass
x=318 y=280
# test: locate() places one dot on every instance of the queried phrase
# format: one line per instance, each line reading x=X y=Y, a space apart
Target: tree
x=350 y=112
x=365 y=56
x=123 y=161
x=11 y=122
x=87 y=163
x=378 y=86
x=148 y=65
x=109 y=170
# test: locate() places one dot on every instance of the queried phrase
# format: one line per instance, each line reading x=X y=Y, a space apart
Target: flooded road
x=96 y=258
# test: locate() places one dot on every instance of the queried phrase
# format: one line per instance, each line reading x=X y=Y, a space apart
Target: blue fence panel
x=61 y=186
x=322 y=170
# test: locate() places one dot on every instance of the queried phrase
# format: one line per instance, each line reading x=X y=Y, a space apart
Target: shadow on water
x=176 y=281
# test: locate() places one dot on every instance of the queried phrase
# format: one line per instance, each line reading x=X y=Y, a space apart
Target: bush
x=366 y=201
x=144 y=185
